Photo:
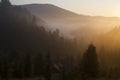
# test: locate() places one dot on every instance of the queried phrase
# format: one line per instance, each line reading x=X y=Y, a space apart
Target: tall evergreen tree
x=38 y=65
x=28 y=66
x=5 y=4
x=90 y=65
x=48 y=66
x=18 y=67
x=5 y=68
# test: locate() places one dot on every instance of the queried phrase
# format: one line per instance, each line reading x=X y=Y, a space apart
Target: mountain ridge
x=72 y=23
x=36 y=4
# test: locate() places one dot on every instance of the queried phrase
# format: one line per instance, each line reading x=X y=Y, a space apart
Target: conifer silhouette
x=90 y=64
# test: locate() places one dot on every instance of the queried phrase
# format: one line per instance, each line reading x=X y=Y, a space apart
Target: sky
x=87 y=7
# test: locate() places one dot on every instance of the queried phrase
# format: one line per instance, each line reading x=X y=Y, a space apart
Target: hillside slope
x=71 y=23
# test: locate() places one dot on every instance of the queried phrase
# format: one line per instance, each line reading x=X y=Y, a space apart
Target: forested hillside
x=26 y=48
x=30 y=51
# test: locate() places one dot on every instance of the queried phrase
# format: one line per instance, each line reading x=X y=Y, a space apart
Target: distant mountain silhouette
x=49 y=11
x=71 y=23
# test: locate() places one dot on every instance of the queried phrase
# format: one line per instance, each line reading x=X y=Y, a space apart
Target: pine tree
x=5 y=3
x=38 y=65
x=90 y=65
x=28 y=66
x=5 y=68
x=18 y=67
x=48 y=66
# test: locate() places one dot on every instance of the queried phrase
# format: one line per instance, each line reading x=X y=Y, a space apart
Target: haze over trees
x=29 y=50
x=70 y=23
x=23 y=43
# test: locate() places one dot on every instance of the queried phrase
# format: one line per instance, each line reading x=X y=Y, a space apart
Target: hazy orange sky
x=88 y=7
